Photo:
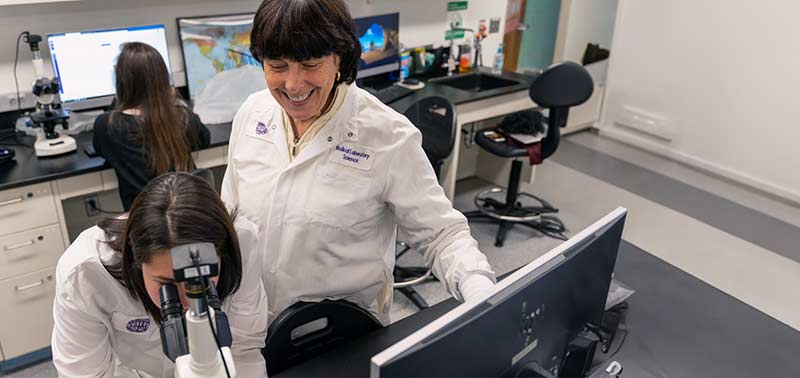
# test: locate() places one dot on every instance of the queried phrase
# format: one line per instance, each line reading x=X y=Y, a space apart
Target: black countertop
x=459 y=96
x=28 y=169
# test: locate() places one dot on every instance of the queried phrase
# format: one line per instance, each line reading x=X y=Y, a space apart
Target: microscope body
x=49 y=112
x=204 y=359
x=199 y=339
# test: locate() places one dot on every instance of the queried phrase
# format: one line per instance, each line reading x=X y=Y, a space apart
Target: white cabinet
x=26 y=321
x=28 y=251
x=31 y=242
x=27 y=207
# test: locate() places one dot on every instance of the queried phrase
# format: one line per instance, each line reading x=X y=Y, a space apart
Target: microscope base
x=51 y=147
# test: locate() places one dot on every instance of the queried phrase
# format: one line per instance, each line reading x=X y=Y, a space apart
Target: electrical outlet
x=91 y=205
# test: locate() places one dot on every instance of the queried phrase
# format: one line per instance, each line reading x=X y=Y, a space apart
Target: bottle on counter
x=499 y=60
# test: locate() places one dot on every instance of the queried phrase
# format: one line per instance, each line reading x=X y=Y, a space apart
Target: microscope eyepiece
x=33 y=40
x=170 y=302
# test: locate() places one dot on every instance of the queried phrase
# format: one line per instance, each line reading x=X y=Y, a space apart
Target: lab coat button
x=350 y=134
x=330 y=139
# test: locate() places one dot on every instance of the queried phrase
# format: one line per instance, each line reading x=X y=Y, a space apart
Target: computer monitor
x=528 y=319
x=84 y=61
x=214 y=44
x=380 y=44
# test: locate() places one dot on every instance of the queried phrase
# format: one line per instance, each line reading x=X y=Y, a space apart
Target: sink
x=476 y=82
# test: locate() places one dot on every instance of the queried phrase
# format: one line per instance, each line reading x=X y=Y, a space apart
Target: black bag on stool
x=528 y=122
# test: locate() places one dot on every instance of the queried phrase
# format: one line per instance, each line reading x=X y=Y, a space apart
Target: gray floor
x=744 y=222
x=747 y=214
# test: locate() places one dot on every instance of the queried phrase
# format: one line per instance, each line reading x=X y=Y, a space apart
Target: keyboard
x=390 y=94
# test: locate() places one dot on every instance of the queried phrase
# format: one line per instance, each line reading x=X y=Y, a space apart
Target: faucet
x=476 y=44
x=454 y=29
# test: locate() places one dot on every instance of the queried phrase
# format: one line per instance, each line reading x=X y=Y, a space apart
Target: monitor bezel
x=384 y=68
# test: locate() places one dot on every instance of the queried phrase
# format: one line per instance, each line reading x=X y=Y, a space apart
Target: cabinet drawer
x=28 y=251
x=80 y=185
x=26 y=208
x=26 y=322
x=109 y=179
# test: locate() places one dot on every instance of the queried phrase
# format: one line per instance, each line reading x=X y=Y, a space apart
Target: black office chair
x=558 y=88
x=205 y=174
x=338 y=322
x=435 y=117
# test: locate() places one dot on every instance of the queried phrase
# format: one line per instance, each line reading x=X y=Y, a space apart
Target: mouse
x=411 y=81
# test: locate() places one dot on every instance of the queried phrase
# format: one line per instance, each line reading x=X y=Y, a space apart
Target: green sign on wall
x=456 y=6
x=455 y=16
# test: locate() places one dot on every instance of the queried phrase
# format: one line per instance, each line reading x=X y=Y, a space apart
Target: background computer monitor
x=380 y=44
x=214 y=44
x=84 y=61
x=530 y=317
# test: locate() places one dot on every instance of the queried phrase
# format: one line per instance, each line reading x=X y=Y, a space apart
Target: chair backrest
x=558 y=88
x=435 y=117
x=331 y=323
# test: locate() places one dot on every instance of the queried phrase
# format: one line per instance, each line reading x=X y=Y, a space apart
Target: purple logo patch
x=261 y=128
x=138 y=325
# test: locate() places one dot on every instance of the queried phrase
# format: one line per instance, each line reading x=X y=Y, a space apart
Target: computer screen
x=528 y=319
x=212 y=45
x=84 y=61
x=380 y=44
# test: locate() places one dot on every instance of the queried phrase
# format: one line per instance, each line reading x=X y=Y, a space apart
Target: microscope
x=49 y=111
x=199 y=340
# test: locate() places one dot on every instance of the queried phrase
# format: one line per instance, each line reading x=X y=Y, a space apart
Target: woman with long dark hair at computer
x=150 y=131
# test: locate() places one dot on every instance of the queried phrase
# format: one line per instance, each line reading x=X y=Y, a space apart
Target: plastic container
x=499 y=59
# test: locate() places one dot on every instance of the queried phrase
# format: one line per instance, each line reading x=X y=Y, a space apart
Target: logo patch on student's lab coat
x=352 y=156
x=138 y=325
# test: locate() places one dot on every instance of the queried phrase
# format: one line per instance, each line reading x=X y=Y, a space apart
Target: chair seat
x=501 y=149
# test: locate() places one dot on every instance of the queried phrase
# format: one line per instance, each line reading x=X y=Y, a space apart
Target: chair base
x=512 y=212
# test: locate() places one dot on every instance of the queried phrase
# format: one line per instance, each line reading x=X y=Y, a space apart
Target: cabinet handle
x=20 y=245
x=35 y=284
x=13 y=201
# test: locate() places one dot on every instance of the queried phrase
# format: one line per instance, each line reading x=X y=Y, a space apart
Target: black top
x=120 y=143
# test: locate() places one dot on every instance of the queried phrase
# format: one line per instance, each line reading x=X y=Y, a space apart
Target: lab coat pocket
x=340 y=197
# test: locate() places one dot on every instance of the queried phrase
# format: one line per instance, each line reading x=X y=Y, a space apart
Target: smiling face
x=304 y=88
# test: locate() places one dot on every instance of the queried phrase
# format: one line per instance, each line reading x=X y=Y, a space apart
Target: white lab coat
x=100 y=331
x=329 y=217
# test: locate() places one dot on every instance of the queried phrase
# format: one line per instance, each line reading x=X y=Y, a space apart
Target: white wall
x=584 y=21
x=720 y=78
x=421 y=22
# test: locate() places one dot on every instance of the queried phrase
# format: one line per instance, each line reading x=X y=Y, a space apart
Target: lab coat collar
x=342 y=127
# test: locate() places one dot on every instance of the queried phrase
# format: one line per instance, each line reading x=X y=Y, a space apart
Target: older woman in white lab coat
x=328 y=172
x=106 y=309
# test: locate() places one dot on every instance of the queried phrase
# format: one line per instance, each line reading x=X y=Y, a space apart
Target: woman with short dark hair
x=150 y=131
x=106 y=309
x=330 y=173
